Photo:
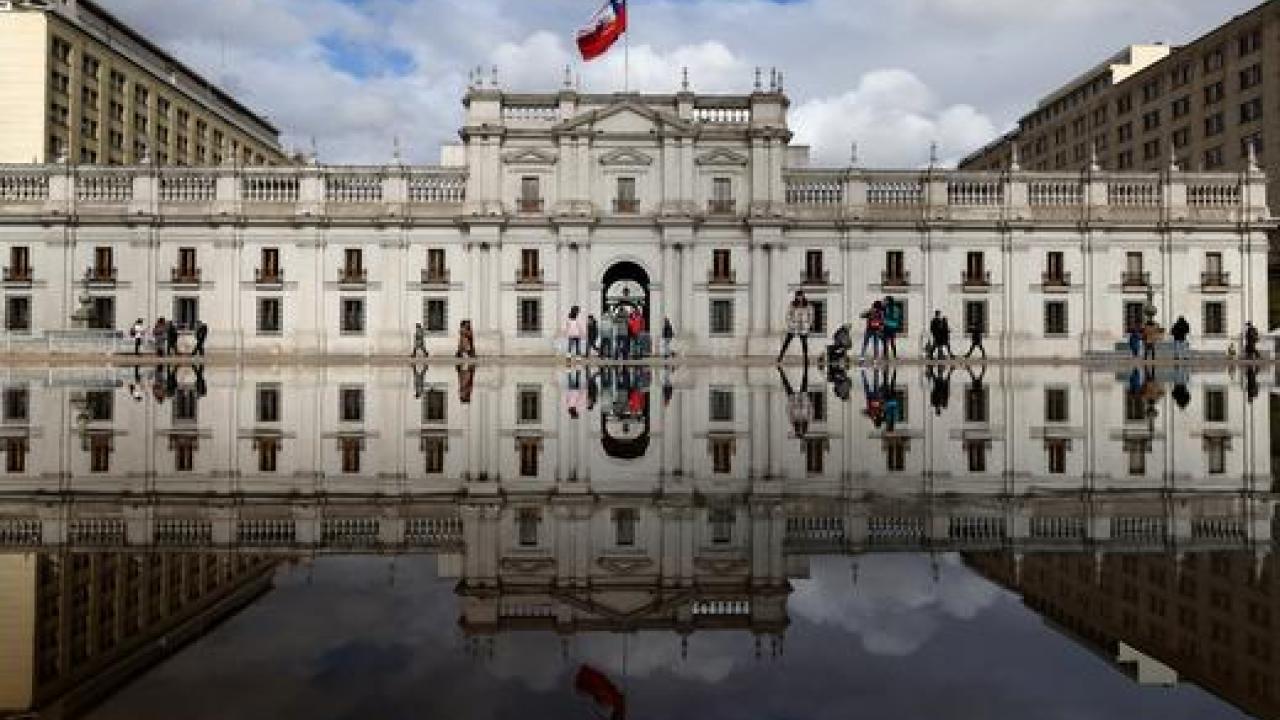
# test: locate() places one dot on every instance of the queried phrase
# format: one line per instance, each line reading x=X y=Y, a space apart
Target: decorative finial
x=853 y=154
x=494 y=77
x=568 y=77
x=315 y=152
x=1015 y=163
x=684 y=78
x=779 y=81
x=773 y=79
x=1173 y=160
x=396 y=157
x=757 y=83
x=1253 y=155
x=471 y=78
x=933 y=154
x=1093 y=158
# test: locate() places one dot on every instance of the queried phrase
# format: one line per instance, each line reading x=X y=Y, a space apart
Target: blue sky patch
x=365 y=60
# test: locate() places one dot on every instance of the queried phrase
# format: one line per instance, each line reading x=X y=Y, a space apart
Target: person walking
x=138 y=332
x=799 y=324
x=1150 y=336
x=202 y=334
x=873 y=331
x=975 y=340
x=171 y=338
x=466 y=340
x=892 y=326
x=419 y=341
x=593 y=336
x=158 y=336
x=573 y=331
x=940 y=334
x=668 y=335
x=1251 y=337
x=621 y=334
x=1180 y=330
x=1135 y=340
x=635 y=333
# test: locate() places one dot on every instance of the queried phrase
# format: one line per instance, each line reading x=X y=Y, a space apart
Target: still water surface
x=711 y=542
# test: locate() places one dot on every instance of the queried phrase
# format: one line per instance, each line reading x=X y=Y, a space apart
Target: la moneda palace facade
x=694 y=207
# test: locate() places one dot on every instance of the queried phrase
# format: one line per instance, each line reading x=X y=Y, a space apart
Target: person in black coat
x=202 y=334
x=593 y=335
x=171 y=338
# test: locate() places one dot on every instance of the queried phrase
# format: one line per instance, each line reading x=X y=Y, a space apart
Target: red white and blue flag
x=606 y=26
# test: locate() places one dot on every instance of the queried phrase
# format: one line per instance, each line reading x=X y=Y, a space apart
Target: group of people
x=466 y=341
x=164 y=337
x=1144 y=338
x=883 y=322
x=620 y=334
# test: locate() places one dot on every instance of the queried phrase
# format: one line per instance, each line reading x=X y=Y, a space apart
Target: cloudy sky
x=891 y=74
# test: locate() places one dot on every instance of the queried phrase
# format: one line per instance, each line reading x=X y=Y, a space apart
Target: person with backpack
x=419 y=341
x=171 y=338
x=635 y=332
x=892 y=326
x=940 y=335
x=1135 y=340
x=799 y=324
x=874 y=330
x=1180 y=330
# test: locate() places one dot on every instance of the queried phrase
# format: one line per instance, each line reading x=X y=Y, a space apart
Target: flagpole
x=626 y=54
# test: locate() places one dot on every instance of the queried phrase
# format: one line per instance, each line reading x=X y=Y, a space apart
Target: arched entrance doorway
x=626 y=285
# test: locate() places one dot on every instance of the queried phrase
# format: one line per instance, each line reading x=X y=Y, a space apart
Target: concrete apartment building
x=1201 y=105
x=77 y=83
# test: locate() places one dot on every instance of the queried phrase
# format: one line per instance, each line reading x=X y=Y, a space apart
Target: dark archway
x=626 y=284
x=626 y=423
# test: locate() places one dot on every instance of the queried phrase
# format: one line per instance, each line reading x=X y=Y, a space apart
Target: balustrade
x=187 y=188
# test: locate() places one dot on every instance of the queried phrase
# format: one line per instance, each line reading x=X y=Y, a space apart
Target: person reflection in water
x=466 y=382
x=799 y=404
x=573 y=394
x=940 y=387
x=884 y=406
x=419 y=380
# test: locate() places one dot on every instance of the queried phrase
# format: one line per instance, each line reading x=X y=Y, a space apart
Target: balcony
x=721 y=207
x=18 y=275
x=270 y=276
x=1216 y=280
x=626 y=206
x=352 y=276
x=722 y=277
x=185 y=276
x=435 y=276
x=529 y=205
x=895 y=278
x=815 y=277
x=1056 y=280
x=1135 y=279
x=976 y=279
x=101 y=276
x=530 y=276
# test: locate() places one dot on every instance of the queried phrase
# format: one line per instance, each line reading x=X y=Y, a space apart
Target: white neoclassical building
x=694 y=207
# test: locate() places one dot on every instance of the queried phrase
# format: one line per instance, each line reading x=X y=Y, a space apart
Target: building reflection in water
x=620 y=500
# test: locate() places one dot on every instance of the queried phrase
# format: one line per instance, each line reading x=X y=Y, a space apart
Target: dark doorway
x=626 y=285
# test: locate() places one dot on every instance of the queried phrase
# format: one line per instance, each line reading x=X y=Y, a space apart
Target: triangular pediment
x=625 y=117
x=529 y=156
x=626 y=157
x=722 y=157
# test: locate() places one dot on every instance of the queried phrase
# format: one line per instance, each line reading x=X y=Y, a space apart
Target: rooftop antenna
x=684 y=78
x=568 y=77
x=494 y=77
x=853 y=154
x=773 y=79
x=315 y=152
x=757 y=82
x=933 y=154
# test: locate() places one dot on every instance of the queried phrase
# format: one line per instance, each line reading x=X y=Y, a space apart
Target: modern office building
x=691 y=207
x=1201 y=106
x=79 y=85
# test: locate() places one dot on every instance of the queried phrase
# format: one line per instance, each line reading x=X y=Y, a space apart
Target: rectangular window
x=17 y=313
x=975 y=271
x=1213 y=158
x=1215 y=449
x=527 y=521
x=1180 y=75
x=1215 y=318
x=353 y=318
x=1251 y=76
x=1181 y=137
x=819 y=317
x=530 y=449
x=530 y=194
x=720 y=405
x=895 y=453
x=624 y=527
x=352 y=270
x=350 y=450
x=1124 y=133
x=721 y=521
x=104 y=314
x=435 y=407
x=268 y=450
x=437 y=266
x=100 y=405
x=1215 y=405
x=528 y=405
x=721 y=266
x=15 y=457
x=1249 y=42
x=1213 y=60
x=895 y=268
x=1056 y=452
x=434 y=449
x=529 y=316
x=1251 y=111
x=1150 y=120
x=722 y=451
x=814 y=272
x=351 y=404
x=100 y=446
x=721 y=195
x=626 y=201
x=1151 y=149
x=1056 y=405
x=1182 y=107
x=269 y=272
x=269 y=316
x=976 y=453
x=1055 y=318
x=19 y=263
x=186 y=405
x=721 y=320
x=1055 y=266
x=975 y=316
x=1213 y=93
x=16 y=405
x=184 y=452
x=435 y=315
x=815 y=455
x=267 y=408
x=976 y=405
x=530 y=265
x=186 y=312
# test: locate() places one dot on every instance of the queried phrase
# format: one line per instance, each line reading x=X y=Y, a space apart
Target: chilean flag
x=597 y=686
x=606 y=26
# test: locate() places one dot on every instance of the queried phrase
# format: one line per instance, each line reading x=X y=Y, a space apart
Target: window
x=435 y=407
x=1151 y=149
x=976 y=453
x=17 y=313
x=530 y=265
x=721 y=521
x=434 y=449
x=61 y=82
x=15 y=459
x=720 y=405
x=268 y=403
x=722 y=451
x=814 y=273
x=976 y=405
x=1182 y=137
x=437 y=267
x=1215 y=449
x=530 y=194
x=1124 y=160
x=529 y=450
x=1180 y=75
x=895 y=453
x=528 y=405
x=1055 y=267
x=1213 y=158
x=99 y=405
x=100 y=452
x=352 y=322
x=435 y=315
x=1181 y=107
x=1213 y=59
x=1251 y=110
x=815 y=455
x=721 y=266
x=895 y=266
x=626 y=201
x=1253 y=142
x=104 y=314
x=1124 y=104
x=90 y=65
x=61 y=50
x=1151 y=120
x=1249 y=42
x=186 y=312
x=1056 y=452
x=1151 y=90
x=268 y=450
x=350 y=449
x=1055 y=318
x=1213 y=93
x=529 y=316
x=527 y=521
x=269 y=272
x=1215 y=405
x=16 y=404
x=1251 y=76
x=975 y=266
x=351 y=404
x=624 y=527
x=820 y=317
x=184 y=452
x=186 y=405
x=975 y=316
x=1215 y=318
x=269 y=316
x=721 y=321
x=1056 y=405
x=352 y=266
